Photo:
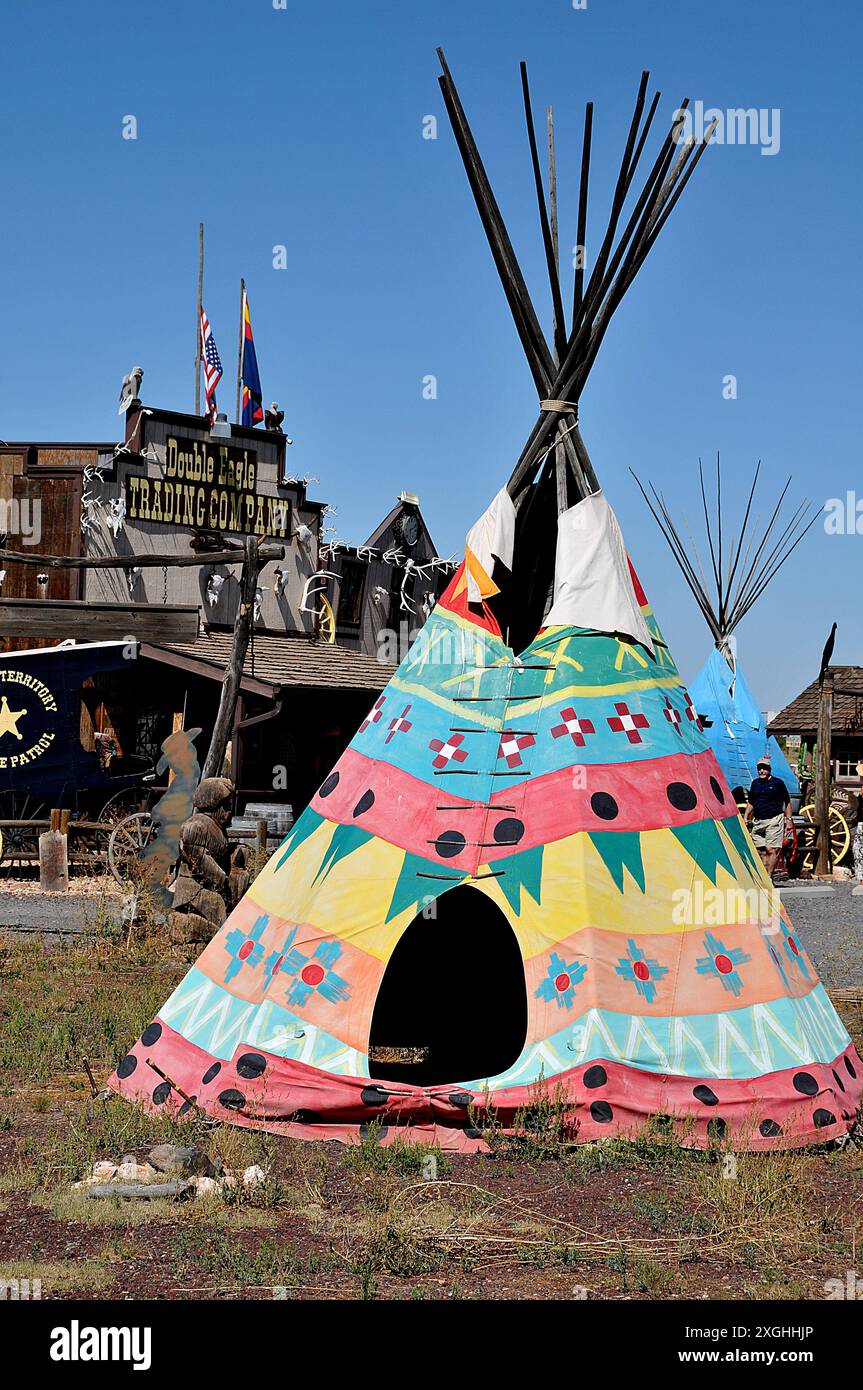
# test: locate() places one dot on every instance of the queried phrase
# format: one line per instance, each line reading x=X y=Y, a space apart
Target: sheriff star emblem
x=9 y=719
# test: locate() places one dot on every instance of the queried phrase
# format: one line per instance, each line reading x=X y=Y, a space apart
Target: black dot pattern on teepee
x=705 y=1095
x=769 y=1129
x=365 y=803
x=717 y=790
x=161 y=1093
x=822 y=1118
x=211 y=1073
x=329 y=784
x=595 y=1077
x=838 y=1079
x=716 y=1128
x=509 y=831
x=232 y=1100
x=251 y=1065
x=187 y=1106
x=127 y=1066
x=849 y=1067
x=603 y=805
x=601 y=1111
x=681 y=796
x=449 y=843
x=805 y=1083
x=151 y=1034
x=460 y=1098
x=374 y=1095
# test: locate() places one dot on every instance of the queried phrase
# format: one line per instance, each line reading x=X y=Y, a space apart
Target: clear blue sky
x=304 y=127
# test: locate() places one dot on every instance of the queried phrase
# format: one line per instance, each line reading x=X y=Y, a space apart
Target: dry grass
x=644 y=1217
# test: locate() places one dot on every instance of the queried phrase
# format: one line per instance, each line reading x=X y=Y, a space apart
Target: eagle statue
x=129 y=389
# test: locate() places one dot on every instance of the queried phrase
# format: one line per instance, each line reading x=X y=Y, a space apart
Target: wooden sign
x=207 y=485
x=97 y=622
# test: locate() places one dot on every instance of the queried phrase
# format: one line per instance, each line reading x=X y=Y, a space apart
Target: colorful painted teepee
x=527 y=869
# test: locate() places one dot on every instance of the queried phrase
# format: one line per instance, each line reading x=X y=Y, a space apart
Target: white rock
x=102 y=1172
x=131 y=1171
x=207 y=1187
x=254 y=1176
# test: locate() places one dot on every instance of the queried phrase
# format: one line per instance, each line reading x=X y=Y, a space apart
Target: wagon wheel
x=122 y=803
x=326 y=622
x=126 y=844
x=19 y=844
x=840 y=835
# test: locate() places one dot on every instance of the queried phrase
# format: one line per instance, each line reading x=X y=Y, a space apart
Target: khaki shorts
x=769 y=834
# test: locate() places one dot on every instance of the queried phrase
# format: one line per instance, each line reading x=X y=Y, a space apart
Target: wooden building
x=330 y=619
x=798 y=721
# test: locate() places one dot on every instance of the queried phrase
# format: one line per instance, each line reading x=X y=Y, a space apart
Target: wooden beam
x=508 y=268
x=559 y=329
x=97 y=622
x=234 y=669
x=825 y=767
x=234 y=556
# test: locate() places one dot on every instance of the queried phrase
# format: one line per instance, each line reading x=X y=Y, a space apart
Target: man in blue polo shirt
x=768 y=813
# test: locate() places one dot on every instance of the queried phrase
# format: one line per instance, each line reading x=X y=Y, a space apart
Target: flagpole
x=240 y=347
x=198 y=319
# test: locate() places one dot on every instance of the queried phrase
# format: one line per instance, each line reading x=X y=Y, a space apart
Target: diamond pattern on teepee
x=245 y=948
x=374 y=714
x=721 y=962
x=572 y=725
x=448 y=750
x=561 y=981
x=625 y=722
x=641 y=970
x=399 y=725
x=512 y=745
x=672 y=715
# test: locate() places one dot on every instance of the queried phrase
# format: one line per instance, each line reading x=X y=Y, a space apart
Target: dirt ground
x=537 y=1218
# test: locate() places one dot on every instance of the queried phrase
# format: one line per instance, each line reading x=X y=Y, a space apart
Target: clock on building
x=409 y=529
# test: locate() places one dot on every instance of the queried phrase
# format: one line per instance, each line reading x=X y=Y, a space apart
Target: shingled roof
x=801 y=716
x=292 y=662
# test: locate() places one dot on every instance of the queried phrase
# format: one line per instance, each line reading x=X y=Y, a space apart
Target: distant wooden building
x=799 y=721
x=326 y=616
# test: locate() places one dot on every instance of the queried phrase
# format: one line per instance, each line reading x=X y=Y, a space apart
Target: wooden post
x=261 y=830
x=234 y=669
x=240 y=350
x=825 y=767
x=54 y=855
x=198 y=319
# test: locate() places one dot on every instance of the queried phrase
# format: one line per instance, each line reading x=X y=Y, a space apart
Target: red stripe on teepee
x=782 y=1109
x=636 y=584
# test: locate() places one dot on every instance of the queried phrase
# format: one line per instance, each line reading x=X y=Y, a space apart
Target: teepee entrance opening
x=452 y=1005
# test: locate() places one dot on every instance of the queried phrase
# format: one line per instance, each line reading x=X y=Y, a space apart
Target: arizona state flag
x=253 y=409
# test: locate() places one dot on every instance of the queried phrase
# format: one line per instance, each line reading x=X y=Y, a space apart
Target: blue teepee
x=737 y=731
x=740 y=568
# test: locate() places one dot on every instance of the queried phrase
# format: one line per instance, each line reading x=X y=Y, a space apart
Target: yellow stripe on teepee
x=350 y=902
x=578 y=891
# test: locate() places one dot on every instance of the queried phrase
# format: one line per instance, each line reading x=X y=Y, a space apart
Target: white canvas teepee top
x=592 y=583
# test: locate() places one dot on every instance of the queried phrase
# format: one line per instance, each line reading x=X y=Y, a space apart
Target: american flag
x=211 y=363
